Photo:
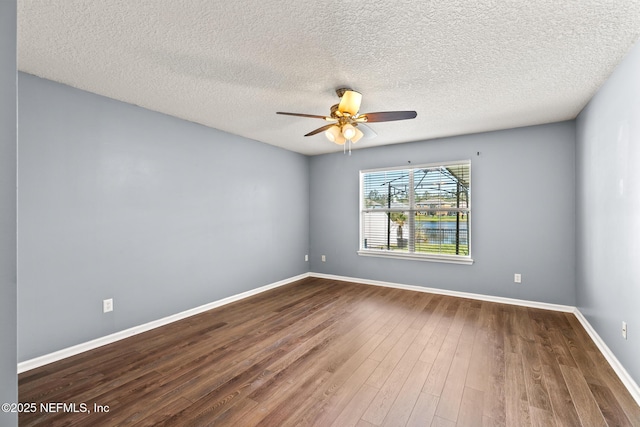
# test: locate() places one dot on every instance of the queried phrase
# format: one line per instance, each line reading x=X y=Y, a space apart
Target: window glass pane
x=438 y=187
x=386 y=189
x=441 y=232
x=385 y=230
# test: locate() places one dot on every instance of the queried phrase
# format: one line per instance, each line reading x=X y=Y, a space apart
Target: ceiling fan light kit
x=345 y=119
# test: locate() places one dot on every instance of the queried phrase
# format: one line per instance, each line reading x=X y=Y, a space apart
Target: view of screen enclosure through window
x=418 y=211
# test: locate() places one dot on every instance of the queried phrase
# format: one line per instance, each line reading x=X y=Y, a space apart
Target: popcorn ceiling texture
x=463 y=66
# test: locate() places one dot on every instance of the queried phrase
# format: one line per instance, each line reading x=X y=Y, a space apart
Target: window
x=420 y=212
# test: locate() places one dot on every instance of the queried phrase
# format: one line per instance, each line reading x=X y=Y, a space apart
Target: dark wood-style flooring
x=327 y=353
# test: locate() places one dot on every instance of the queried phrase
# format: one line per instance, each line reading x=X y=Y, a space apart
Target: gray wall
x=522 y=217
x=8 y=376
x=608 y=210
x=161 y=214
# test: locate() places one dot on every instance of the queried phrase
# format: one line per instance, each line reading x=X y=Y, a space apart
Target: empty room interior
x=332 y=214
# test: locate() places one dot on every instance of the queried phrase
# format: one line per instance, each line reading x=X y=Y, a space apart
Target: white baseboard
x=502 y=300
x=117 y=336
x=622 y=373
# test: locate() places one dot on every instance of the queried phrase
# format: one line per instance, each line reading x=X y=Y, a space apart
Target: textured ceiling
x=463 y=66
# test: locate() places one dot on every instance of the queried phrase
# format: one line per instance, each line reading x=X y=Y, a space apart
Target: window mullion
x=411 y=213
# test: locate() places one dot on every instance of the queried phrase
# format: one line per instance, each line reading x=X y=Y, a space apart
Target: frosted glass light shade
x=348 y=131
x=333 y=133
x=357 y=136
x=350 y=102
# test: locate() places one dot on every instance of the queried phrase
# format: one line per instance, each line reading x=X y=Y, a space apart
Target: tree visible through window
x=420 y=211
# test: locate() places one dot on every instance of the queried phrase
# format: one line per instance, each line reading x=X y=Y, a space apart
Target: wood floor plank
x=323 y=401
x=423 y=411
x=578 y=349
x=433 y=301
x=512 y=335
x=552 y=355
x=352 y=413
x=471 y=408
x=383 y=401
x=340 y=397
x=542 y=417
x=400 y=411
x=584 y=401
x=276 y=376
x=478 y=373
x=405 y=319
x=553 y=322
x=609 y=406
x=213 y=407
x=531 y=363
x=327 y=402
x=442 y=422
x=442 y=323
x=516 y=397
x=327 y=359
x=291 y=364
x=614 y=384
x=452 y=392
x=494 y=403
x=388 y=364
x=298 y=393
x=319 y=352
x=594 y=367
x=160 y=413
x=242 y=411
x=440 y=369
x=561 y=400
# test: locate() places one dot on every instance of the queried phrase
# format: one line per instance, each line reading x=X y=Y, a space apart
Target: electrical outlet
x=624 y=329
x=517 y=278
x=107 y=305
x=306 y=257
x=324 y=258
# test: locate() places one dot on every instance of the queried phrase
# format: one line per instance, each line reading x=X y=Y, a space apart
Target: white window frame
x=398 y=254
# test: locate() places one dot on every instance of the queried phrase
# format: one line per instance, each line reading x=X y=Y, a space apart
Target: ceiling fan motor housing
x=340 y=91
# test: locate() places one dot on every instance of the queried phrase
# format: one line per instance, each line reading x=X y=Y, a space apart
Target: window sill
x=417 y=257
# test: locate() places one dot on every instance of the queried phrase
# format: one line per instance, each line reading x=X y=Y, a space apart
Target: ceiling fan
x=346 y=124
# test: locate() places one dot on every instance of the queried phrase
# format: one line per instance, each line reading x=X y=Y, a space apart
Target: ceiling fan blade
x=311 y=116
x=350 y=102
x=389 y=116
x=367 y=131
x=322 y=129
